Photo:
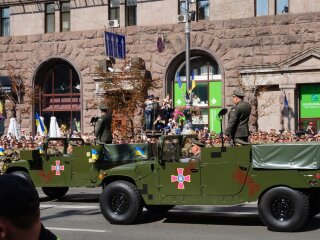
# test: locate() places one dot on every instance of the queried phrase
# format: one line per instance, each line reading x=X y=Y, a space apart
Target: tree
x=22 y=95
x=125 y=93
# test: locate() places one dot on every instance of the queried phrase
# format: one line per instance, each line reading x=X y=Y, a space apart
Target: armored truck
x=282 y=178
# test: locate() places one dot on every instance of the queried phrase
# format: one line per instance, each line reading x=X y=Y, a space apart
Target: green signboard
x=310 y=101
x=179 y=93
x=215 y=91
x=214 y=124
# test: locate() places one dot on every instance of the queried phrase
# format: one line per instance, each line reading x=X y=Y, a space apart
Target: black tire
x=121 y=202
x=55 y=192
x=24 y=175
x=159 y=209
x=283 y=209
x=314 y=199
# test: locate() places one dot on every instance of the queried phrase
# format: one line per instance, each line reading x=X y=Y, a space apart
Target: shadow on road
x=68 y=213
x=74 y=198
x=237 y=215
x=192 y=217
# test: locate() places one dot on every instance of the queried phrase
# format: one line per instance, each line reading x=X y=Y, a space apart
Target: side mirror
x=222 y=112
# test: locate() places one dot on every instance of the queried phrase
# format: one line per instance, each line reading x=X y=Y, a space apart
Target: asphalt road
x=78 y=216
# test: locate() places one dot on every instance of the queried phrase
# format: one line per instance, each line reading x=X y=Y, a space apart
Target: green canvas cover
x=286 y=156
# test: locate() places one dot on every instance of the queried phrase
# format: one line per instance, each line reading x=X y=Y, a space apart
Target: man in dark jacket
x=103 y=126
x=19 y=210
x=238 y=119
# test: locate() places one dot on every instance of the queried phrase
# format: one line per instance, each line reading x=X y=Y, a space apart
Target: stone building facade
x=273 y=58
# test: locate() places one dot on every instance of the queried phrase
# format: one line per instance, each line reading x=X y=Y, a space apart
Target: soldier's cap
x=238 y=93
x=18 y=196
x=8 y=152
x=102 y=106
x=196 y=142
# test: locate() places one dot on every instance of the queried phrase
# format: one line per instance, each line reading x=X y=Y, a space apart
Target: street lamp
x=188 y=97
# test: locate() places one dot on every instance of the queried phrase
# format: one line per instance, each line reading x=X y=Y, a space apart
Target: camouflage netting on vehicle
x=286 y=156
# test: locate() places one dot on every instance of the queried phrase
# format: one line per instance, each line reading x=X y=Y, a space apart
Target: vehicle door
x=177 y=178
x=84 y=160
x=224 y=170
x=56 y=166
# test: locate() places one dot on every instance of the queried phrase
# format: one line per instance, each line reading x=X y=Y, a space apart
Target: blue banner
x=115 y=45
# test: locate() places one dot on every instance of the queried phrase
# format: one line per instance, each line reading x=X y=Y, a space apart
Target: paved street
x=78 y=216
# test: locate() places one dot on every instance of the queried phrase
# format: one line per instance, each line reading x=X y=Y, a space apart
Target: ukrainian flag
x=193 y=82
x=40 y=150
x=139 y=152
x=1 y=151
x=94 y=154
x=41 y=128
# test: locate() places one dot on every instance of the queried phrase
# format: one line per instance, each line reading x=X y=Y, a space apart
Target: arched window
x=59 y=86
x=207 y=90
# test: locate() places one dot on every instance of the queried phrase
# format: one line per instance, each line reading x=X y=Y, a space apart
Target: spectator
x=169 y=126
x=148 y=112
x=19 y=211
x=156 y=106
x=159 y=123
x=310 y=129
x=167 y=107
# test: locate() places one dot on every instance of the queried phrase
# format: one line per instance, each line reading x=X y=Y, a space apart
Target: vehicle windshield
x=175 y=148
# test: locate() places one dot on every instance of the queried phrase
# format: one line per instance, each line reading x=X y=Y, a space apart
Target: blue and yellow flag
x=41 y=128
x=179 y=80
x=193 y=82
x=139 y=152
x=94 y=154
x=1 y=151
x=40 y=149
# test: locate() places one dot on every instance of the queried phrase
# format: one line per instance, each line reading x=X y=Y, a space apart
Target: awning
x=5 y=84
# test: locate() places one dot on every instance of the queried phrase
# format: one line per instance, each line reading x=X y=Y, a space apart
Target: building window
x=203 y=7
x=60 y=95
x=114 y=10
x=207 y=90
x=65 y=16
x=182 y=7
x=282 y=6
x=49 y=18
x=261 y=7
x=5 y=21
x=131 y=12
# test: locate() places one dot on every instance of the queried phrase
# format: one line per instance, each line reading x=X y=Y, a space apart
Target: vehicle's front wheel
x=121 y=202
x=314 y=199
x=55 y=192
x=283 y=209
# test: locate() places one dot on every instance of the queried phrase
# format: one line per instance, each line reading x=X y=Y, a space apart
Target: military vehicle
x=282 y=178
x=61 y=163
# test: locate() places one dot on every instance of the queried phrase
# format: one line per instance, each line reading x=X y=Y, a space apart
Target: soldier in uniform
x=238 y=119
x=103 y=126
x=196 y=149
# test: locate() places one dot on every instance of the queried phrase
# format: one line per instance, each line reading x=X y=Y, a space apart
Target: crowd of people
x=169 y=121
